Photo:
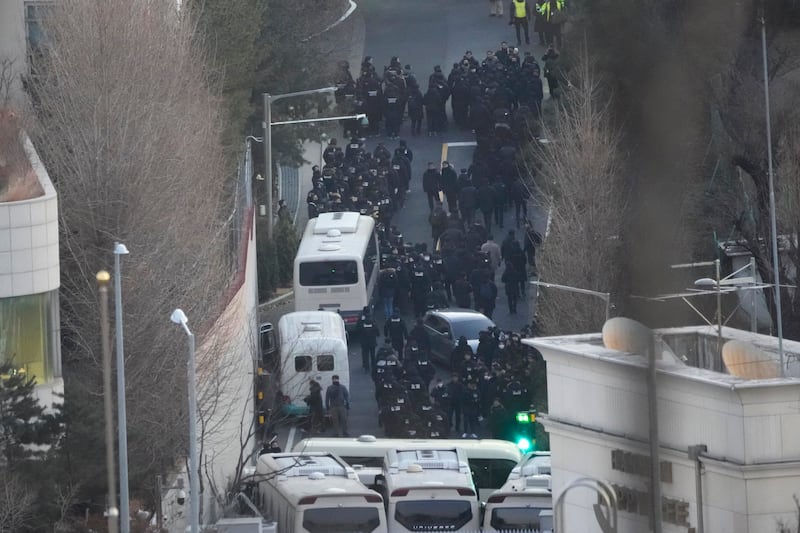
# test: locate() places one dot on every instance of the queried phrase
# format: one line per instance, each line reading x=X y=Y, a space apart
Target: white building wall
x=598 y=403
x=29 y=261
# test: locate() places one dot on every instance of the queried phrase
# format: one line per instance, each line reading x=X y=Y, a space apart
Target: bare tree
x=130 y=133
x=580 y=177
x=17 y=503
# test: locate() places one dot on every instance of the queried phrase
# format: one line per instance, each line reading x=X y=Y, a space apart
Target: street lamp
x=122 y=420
x=112 y=513
x=605 y=296
x=268 y=100
x=179 y=317
x=772 y=217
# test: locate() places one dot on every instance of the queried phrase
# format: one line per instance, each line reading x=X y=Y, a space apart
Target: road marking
x=290 y=439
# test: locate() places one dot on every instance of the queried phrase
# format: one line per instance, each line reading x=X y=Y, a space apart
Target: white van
x=316 y=493
x=490 y=460
x=313 y=345
x=429 y=489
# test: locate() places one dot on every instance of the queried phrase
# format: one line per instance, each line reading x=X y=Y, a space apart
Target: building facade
x=599 y=425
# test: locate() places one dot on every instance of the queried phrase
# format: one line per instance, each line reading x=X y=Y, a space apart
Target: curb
x=344 y=17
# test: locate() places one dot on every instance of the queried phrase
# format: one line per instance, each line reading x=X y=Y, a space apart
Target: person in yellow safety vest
x=552 y=11
x=520 y=13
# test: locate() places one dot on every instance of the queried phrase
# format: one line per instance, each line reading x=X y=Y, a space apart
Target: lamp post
x=772 y=217
x=103 y=278
x=322 y=138
x=179 y=317
x=605 y=296
x=268 y=100
x=122 y=419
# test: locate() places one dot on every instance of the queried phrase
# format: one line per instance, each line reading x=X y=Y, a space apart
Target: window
x=436 y=324
x=35 y=13
x=341 y=519
x=324 y=273
x=516 y=518
x=29 y=334
x=366 y=462
x=302 y=363
x=490 y=473
x=433 y=514
x=370 y=259
x=325 y=363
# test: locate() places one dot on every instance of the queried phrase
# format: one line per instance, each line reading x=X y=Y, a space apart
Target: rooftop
x=693 y=353
x=18 y=180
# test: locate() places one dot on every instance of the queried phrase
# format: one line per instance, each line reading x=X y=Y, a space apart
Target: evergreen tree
x=24 y=422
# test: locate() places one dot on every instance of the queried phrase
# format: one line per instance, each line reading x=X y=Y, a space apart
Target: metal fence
x=237 y=225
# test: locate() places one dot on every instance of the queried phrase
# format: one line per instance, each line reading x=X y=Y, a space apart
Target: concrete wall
x=225 y=368
x=598 y=403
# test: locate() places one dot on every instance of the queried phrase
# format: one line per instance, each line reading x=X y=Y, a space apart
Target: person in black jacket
x=455 y=391
x=395 y=329
x=415 y=109
x=369 y=334
x=486 y=204
x=420 y=336
x=467 y=202
x=449 y=184
x=431 y=184
x=512 y=278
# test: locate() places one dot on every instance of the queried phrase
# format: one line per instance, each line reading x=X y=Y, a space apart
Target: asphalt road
x=425 y=33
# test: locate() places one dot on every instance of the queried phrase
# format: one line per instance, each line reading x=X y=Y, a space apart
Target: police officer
x=455 y=390
x=333 y=155
x=369 y=341
x=395 y=330
x=471 y=406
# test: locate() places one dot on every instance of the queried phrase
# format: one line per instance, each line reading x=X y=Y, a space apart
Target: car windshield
x=470 y=327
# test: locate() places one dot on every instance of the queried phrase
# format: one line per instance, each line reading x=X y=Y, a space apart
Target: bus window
x=325 y=363
x=320 y=273
x=516 y=518
x=490 y=473
x=341 y=519
x=302 y=363
x=433 y=514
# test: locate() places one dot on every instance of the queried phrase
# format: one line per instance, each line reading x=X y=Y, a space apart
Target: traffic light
x=524 y=431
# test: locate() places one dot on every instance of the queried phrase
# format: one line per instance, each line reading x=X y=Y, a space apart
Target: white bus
x=429 y=489
x=313 y=345
x=525 y=501
x=491 y=461
x=336 y=267
x=316 y=493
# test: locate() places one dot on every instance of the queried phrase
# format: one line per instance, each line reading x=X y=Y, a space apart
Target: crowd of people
x=498 y=98
x=505 y=86
x=491 y=384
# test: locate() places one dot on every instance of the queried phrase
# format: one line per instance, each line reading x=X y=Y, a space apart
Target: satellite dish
x=626 y=335
x=744 y=360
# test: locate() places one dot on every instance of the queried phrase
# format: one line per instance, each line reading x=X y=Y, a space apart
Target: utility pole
x=103 y=278
x=268 y=158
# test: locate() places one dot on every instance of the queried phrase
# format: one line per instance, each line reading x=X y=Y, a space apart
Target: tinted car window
x=302 y=363
x=470 y=327
x=325 y=363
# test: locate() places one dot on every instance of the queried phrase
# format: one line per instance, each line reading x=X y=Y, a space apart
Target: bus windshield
x=323 y=273
x=516 y=518
x=341 y=519
x=424 y=515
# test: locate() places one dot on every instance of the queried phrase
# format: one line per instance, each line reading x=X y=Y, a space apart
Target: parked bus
x=313 y=345
x=525 y=501
x=336 y=267
x=316 y=493
x=491 y=461
x=429 y=489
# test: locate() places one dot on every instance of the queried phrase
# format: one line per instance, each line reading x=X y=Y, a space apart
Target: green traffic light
x=524 y=444
x=523 y=417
